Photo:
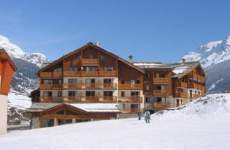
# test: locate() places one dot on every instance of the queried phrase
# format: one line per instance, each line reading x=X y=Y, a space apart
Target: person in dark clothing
x=139 y=115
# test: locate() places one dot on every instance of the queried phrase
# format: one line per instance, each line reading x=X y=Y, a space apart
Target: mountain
x=215 y=58
x=25 y=79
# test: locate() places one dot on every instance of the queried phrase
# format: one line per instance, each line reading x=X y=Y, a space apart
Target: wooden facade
x=7 y=69
x=92 y=74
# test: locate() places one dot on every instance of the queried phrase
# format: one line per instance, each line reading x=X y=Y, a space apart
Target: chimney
x=130 y=58
x=183 y=60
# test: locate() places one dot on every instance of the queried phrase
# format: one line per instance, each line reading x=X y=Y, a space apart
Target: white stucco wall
x=3 y=114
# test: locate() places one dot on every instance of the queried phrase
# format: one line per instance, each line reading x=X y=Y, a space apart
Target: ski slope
x=201 y=125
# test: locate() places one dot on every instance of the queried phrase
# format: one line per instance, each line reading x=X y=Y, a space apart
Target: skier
x=147 y=117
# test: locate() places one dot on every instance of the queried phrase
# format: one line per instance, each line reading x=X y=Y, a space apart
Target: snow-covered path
x=177 y=130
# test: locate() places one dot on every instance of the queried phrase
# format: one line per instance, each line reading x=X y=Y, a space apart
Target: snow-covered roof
x=88 y=107
x=151 y=65
x=97 y=107
x=180 y=69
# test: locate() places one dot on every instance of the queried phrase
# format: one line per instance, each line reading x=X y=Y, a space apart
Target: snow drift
x=199 y=125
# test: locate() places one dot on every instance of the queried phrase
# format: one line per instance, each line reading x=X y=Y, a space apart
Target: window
x=134 y=106
x=89 y=81
x=90 y=93
x=72 y=80
x=108 y=93
x=56 y=81
x=58 y=70
x=147 y=87
x=48 y=93
x=157 y=87
x=134 y=93
x=59 y=94
x=147 y=75
x=160 y=75
x=159 y=99
x=71 y=93
x=137 y=81
x=122 y=94
x=89 y=68
x=47 y=81
x=148 y=100
x=132 y=81
x=109 y=68
x=107 y=80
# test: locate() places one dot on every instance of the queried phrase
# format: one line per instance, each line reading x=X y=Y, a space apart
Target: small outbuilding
x=7 y=69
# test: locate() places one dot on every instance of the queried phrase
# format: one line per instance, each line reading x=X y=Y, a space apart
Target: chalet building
x=92 y=83
x=7 y=69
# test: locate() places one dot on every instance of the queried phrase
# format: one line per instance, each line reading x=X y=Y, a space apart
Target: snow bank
x=201 y=125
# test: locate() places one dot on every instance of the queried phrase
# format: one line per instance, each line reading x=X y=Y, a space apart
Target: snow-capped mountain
x=25 y=79
x=215 y=58
x=16 y=52
x=211 y=53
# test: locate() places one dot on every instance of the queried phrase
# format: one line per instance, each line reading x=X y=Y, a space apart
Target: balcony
x=108 y=85
x=71 y=99
x=128 y=86
x=50 y=74
x=51 y=99
x=182 y=84
x=107 y=73
x=161 y=80
x=182 y=94
x=108 y=99
x=50 y=86
x=72 y=73
x=162 y=106
x=89 y=61
x=160 y=93
x=90 y=73
x=130 y=99
x=72 y=85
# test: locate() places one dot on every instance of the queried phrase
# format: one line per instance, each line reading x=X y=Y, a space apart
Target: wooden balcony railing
x=72 y=86
x=161 y=80
x=50 y=74
x=128 y=86
x=90 y=73
x=159 y=93
x=182 y=94
x=109 y=85
x=89 y=86
x=89 y=61
x=72 y=98
x=107 y=73
x=51 y=99
x=182 y=84
x=130 y=99
x=50 y=86
x=162 y=105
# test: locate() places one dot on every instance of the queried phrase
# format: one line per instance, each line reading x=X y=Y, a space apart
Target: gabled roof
x=82 y=107
x=181 y=69
x=178 y=69
x=4 y=56
x=152 y=65
x=90 y=44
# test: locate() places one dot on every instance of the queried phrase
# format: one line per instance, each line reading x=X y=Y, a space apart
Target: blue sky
x=160 y=30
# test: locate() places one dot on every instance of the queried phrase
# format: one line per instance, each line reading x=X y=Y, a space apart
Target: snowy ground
x=204 y=125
